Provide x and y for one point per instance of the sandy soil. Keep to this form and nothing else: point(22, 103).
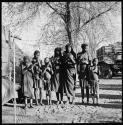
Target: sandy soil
point(109, 110)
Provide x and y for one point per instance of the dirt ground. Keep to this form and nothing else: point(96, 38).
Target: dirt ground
point(109, 108)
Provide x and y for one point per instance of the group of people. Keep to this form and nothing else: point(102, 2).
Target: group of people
point(59, 74)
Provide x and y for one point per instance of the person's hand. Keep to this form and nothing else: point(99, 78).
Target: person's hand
point(48, 68)
point(30, 67)
point(44, 81)
point(71, 56)
point(80, 57)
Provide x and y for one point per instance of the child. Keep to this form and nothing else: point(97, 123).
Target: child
point(47, 73)
point(94, 80)
point(27, 75)
point(38, 84)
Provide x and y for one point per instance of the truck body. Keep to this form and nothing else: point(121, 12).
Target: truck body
point(110, 59)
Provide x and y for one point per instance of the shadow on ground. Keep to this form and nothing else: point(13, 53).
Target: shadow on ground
point(115, 87)
point(114, 106)
point(103, 96)
point(111, 87)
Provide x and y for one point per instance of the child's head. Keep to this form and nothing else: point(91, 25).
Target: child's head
point(37, 54)
point(68, 48)
point(26, 60)
point(46, 60)
point(57, 52)
point(95, 61)
point(84, 47)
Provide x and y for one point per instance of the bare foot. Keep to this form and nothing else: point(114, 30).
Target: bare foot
point(58, 103)
point(87, 101)
point(31, 106)
point(37, 104)
point(41, 103)
point(67, 102)
point(50, 102)
point(62, 102)
point(25, 107)
point(82, 101)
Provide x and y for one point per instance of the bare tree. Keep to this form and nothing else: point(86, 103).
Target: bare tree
point(71, 22)
point(16, 15)
point(77, 16)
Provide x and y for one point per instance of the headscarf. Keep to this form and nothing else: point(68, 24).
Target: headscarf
point(36, 52)
point(84, 45)
point(57, 49)
point(26, 58)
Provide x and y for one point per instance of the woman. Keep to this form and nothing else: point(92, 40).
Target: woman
point(27, 75)
point(57, 76)
point(38, 84)
point(69, 69)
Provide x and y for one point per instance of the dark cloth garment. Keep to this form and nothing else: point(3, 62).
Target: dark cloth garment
point(47, 74)
point(27, 86)
point(57, 81)
point(37, 77)
point(69, 64)
point(63, 75)
point(69, 82)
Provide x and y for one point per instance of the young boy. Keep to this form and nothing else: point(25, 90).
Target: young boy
point(38, 84)
point(94, 80)
point(47, 74)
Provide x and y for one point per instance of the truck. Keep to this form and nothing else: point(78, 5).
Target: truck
point(110, 60)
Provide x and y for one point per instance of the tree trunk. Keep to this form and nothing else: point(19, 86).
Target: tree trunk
point(68, 22)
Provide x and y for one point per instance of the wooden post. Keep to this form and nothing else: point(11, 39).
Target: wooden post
point(10, 68)
point(14, 84)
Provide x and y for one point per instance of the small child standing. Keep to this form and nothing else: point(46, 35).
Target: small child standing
point(27, 76)
point(37, 79)
point(94, 80)
point(47, 74)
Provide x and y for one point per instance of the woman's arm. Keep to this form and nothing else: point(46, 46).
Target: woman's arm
point(24, 69)
point(72, 59)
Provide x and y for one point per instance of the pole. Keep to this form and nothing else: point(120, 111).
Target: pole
point(9, 59)
point(14, 37)
point(14, 85)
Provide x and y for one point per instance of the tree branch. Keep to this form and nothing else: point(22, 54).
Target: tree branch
point(61, 14)
point(94, 17)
